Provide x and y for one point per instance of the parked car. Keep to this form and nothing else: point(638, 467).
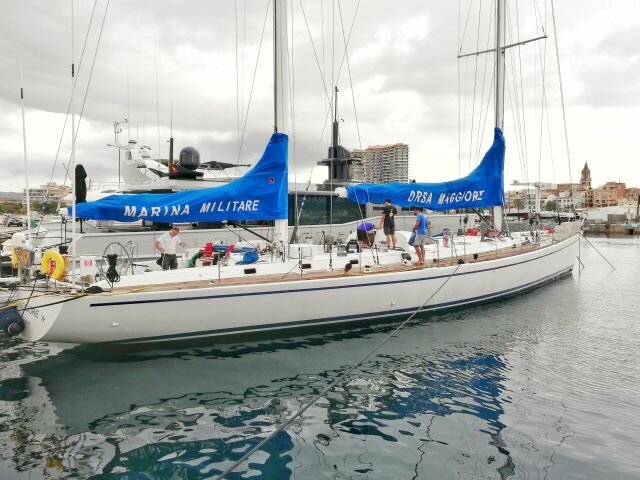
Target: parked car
point(13, 222)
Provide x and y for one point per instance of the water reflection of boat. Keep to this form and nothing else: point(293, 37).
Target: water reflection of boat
point(205, 406)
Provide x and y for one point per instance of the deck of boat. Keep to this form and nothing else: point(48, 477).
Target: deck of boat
point(356, 270)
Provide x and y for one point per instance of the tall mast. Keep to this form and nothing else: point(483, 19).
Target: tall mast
point(499, 113)
point(73, 161)
point(280, 92)
point(281, 68)
point(275, 66)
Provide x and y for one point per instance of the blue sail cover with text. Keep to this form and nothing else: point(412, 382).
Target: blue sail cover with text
point(260, 194)
point(483, 187)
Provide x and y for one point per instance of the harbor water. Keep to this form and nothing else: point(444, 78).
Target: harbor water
point(541, 386)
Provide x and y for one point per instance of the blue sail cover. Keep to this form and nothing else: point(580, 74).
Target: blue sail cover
point(483, 187)
point(260, 194)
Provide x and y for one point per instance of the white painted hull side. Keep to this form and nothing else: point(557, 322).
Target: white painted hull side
point(234, 309)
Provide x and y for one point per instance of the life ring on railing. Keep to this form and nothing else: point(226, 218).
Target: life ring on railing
point(53, 265)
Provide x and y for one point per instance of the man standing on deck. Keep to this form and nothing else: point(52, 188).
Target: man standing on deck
point(420, 228)
point(167, 244)
point(388, 223)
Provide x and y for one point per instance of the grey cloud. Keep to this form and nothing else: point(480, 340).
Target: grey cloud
point(609, 76)
point(195, 44)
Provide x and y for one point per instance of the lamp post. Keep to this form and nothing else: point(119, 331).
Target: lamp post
point(119, 149)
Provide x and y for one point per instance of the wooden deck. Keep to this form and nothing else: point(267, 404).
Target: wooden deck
point(356, 270)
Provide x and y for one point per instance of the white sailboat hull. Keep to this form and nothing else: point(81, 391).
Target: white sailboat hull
point(163, 315)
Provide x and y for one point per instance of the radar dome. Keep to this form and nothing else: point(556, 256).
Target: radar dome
point(189, 158)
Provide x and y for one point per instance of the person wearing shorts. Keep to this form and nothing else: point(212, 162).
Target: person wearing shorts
point(366, 232)
point(388, 222)
point(421, 233)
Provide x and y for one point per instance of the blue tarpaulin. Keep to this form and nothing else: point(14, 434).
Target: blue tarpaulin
point(260, 194)
point(483, 187)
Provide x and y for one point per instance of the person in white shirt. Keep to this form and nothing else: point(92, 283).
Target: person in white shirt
point(167, 244)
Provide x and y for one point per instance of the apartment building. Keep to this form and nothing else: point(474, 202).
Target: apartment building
point(385, 163)
point(50, 192)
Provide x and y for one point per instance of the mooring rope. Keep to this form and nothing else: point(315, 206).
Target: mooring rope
point(340, 379)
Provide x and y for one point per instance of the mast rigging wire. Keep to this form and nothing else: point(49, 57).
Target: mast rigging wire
point(93, 63)
point(564, 115)
point(475, 83)
point(264, 24)
point(516, 114)
point(545, 106)
point(462, 118)
point(346, 55)
point(328, 110)
point(543, 71)
point(524, 116)
point(315, 54)
point(64, 125)
point(480, 135)
point(24, 145)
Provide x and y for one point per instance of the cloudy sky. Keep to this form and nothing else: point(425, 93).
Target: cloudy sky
point(405, 80)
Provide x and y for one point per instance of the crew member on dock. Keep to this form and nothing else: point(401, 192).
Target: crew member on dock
point(167, 244)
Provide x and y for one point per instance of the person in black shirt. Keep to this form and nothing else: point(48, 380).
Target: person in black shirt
point(388, 222)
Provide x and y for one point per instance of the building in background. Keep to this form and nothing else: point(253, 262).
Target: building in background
point(585, 177)
point(608, 195)
point(49, 193)
point(520, 200)
point(565, 197)
point(632, 195)
point(385, 163)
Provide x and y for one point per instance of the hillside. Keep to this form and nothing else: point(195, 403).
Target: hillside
point(11, 196)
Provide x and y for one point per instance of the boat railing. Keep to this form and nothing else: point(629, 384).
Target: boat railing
point(105, 185)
